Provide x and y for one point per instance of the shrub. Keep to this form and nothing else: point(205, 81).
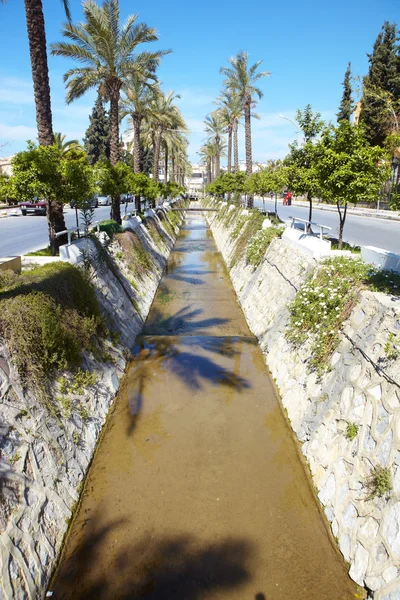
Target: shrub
point(379, 482)
point(252, 224)
point(392, 347)
point(110, 227)
point(326, 300)
point(259, 244)
point(48, 316)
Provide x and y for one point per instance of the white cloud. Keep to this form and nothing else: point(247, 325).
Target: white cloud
point(16, 91)
point(17, 132)
point(194, 98)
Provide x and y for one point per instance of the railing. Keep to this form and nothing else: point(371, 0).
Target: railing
point(307, 225)
point(72, 230)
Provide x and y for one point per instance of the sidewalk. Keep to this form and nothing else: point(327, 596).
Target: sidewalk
point(361, 212)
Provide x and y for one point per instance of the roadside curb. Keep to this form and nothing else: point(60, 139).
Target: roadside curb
point(352, 211)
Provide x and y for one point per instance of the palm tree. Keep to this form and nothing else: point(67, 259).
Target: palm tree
point(139, 95)
point(215, 129)
point(206, 154)
point(63, 146)
point(164, 115)
point(242, 79)
point(107, 50)
point(231, 111)
point(41, 89)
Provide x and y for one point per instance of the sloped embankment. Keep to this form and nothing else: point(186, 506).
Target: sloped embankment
point(65, 337)
point(346, 413)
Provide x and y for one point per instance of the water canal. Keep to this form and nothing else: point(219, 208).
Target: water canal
point(198, 490)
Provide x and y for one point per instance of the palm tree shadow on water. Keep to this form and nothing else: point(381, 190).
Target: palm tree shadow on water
point(179, 567)
point(188, 358)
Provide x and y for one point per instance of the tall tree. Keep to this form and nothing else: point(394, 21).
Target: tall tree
point(243, 79)
point(348, 168)
point(381, 90)
point(301, 160)
point(41, 88)
point(97, 137)
point(231, 112)
point(106, 48)
point(164, 114)
point(346, 106)
point(214, 128)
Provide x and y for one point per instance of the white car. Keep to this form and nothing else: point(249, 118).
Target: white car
point(104, 200)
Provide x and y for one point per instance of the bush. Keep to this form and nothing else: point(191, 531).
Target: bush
point(48, 316)
point(259, 244)
point(110, 227)
point(379, 482)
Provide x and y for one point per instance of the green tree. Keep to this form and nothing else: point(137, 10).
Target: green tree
point(41, 88)
point(97, 137)
point(301, 160)
point(381, 86)
point(78, 175)
point(348, 168)
point(346, 106)
point(243, 79)
point(106, 50)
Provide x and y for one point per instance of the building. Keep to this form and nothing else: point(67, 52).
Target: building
point(5, 165)
point(356, 113)
point(196, 181)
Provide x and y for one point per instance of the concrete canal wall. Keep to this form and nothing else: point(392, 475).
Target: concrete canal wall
point(44, 456)
point(360, 387)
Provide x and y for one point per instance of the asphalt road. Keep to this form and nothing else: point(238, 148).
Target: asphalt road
point(359, 231)
point(19, 235)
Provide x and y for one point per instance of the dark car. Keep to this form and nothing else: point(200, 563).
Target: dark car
point(36, 207)
point(91, 203)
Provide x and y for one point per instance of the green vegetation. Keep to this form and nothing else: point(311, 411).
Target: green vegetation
point(351, 431)
point(252, 225)
point(326, 300)
point(48, 317)
point(392, 347)
point(110, 227)
point(135, 255)
point(15, 458)
point(379, 482)
point(42, 252)
point(259, 243)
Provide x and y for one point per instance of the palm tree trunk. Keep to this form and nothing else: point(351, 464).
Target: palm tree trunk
point(113, 89)
point(172, 168)
point(217, 157)
point(235, 148)
point(249, 161)
point(41, 89)
point(229, 149)
point(166, 164)
point(157, 152)
point(40, 71)
point(137, 122)
point(209, 170)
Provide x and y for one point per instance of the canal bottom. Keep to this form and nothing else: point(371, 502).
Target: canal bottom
point(198, 490)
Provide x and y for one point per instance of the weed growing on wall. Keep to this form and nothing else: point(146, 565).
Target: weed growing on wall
point(252, 225)
point(259, 243)
point(351, 431)
point(238, 226)
point(379, 482)
point(392, 347)
point(326, 300)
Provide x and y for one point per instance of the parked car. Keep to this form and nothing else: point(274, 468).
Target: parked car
point(36, 207)
point(104, 200)
point(91, 203)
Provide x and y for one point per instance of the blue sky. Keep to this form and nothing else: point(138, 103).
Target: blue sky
point(306, 46)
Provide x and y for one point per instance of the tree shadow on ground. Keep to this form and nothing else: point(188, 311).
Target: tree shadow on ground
point(155, 568)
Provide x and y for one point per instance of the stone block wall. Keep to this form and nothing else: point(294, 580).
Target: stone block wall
point(361, 387)
point(43, 458)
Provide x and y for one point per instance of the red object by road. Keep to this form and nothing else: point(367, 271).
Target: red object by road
point(36, 208)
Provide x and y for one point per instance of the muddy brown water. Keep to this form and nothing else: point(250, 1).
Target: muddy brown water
point(198, 489)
